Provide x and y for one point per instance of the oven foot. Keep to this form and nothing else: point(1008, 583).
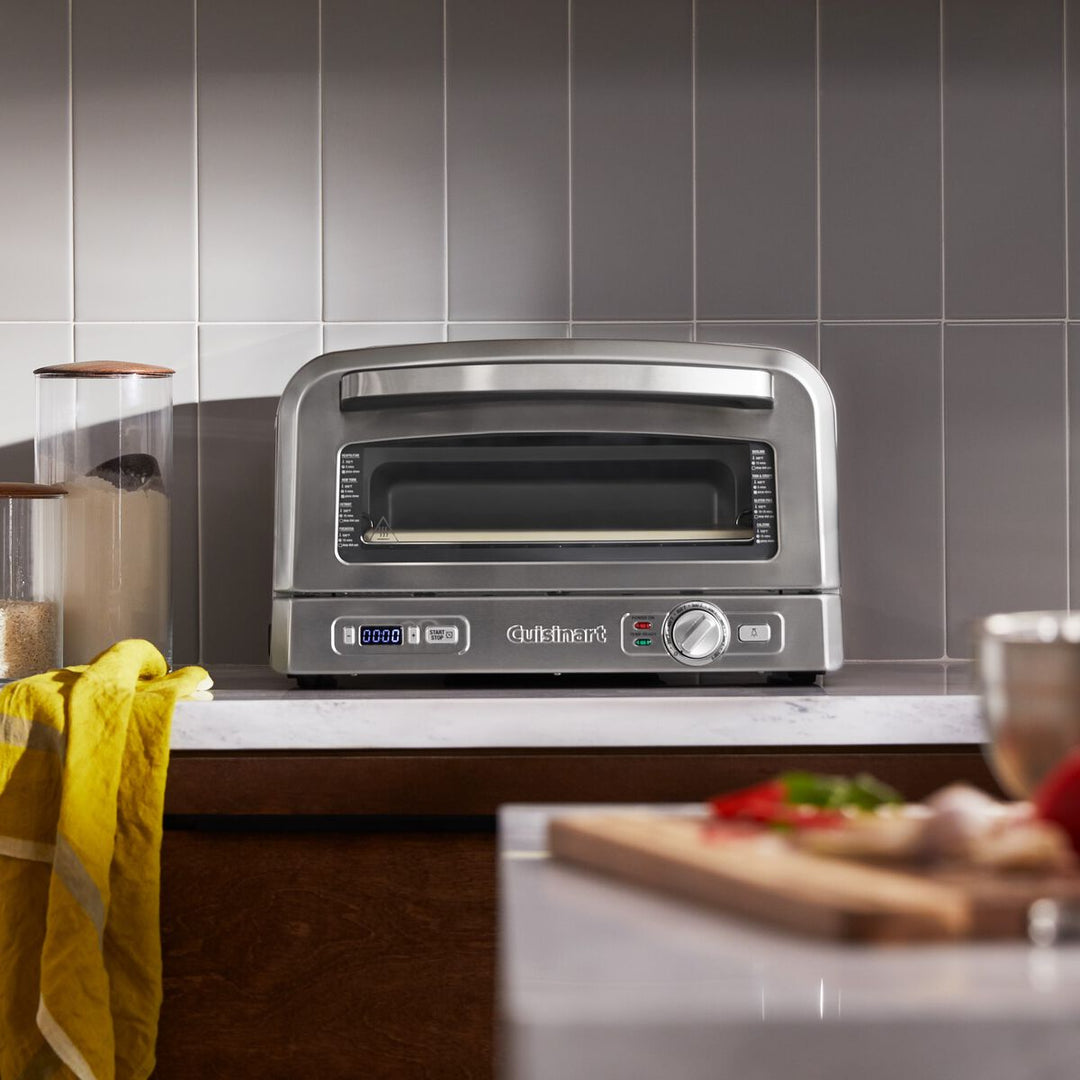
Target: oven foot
point(315, 682)
point(793, 678)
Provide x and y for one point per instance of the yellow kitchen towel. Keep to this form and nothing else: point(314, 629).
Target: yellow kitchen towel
point(83, 757)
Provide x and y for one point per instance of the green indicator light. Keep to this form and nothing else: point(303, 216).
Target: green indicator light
point(644, 642)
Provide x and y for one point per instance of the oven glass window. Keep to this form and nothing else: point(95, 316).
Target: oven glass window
point(555, 491)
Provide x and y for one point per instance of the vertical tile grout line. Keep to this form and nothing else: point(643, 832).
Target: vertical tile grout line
point(320, 185)
point(195, 157)
point(693, 173)
point(941, 338)
point(570, 167)
point(1065, 334)
point(446, 167)
point(199, 561)
point(817, 167)
point(71, 168)
point(1065, 144)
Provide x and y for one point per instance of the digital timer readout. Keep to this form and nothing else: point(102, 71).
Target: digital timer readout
point(380, 635)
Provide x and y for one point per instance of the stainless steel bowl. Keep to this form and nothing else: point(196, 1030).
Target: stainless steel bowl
point(1029, 679)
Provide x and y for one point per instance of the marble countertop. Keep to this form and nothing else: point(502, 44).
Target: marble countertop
point(603, 979)
point(863, 705)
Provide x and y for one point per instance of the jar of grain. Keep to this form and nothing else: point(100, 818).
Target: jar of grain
point(104, 432)
point(31, 579)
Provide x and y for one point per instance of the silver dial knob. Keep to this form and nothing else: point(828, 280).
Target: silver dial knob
point(696, 632)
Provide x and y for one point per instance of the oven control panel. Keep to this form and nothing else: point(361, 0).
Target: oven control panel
point(697, 633)
point(416, 636)
point(557, 634)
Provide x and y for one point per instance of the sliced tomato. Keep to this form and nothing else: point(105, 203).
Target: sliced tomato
point(767, 803)
point(750, 802)
point(1058, 797)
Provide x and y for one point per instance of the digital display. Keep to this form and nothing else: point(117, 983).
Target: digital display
point(380, 635)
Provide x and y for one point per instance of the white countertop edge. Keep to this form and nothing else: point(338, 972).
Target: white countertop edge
point(239, 722)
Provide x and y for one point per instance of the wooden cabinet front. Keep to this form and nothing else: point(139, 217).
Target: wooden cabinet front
point(330, 954)
point(333, 915)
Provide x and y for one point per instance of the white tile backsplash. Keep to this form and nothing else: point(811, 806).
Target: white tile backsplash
point(489, 331)
point(35, 161)
point(250, 360)
point(800, 337)
point(24, 347)
point(1006, 473)
point(383, 88)
point(632, 159)
point(170, 344)
point(133, 108)
point(507, 159)
point(259, 137)
point(658, 331)
point(338, 336)
point(755, 147)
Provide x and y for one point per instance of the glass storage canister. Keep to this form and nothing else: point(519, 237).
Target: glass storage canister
point(31, 579)
point(104, 431)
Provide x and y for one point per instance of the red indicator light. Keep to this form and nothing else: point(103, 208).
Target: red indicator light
point(643, 625)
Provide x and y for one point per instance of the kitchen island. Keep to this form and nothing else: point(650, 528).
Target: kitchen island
point(329, 862)
point(600, 978)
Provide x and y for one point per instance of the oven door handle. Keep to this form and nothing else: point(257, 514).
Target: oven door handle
point(740, 388)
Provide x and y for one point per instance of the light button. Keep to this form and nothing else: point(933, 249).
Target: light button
point(751, 633)
point(441, 635)
point(412, 635)
point(348, 635)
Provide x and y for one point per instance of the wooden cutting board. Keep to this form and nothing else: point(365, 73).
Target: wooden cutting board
point(833, 898)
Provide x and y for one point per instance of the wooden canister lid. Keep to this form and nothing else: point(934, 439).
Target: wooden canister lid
point(31, 491)
point(103, 369)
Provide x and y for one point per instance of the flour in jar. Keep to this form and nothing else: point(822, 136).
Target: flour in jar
point(117, 558)
point(28, 638)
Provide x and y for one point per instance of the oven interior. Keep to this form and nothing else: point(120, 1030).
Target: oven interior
point(515, 493)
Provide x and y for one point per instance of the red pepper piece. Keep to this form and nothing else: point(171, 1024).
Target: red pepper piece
point(1058, 797)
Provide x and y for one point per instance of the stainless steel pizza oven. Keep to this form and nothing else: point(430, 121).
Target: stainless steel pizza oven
point(556, 506)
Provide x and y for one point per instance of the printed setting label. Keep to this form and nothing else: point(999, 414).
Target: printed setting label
point(763, 494)
point(351, 521)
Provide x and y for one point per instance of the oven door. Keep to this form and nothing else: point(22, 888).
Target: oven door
point(561, 497)
point(549, 476)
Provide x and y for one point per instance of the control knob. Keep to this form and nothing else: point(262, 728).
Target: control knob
point(696, 632)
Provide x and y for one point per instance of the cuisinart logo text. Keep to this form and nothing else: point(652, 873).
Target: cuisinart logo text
point(556, 635)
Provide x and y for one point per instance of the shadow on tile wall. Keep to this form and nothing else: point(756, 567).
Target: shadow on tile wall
point(237, 520)
point(17, 461)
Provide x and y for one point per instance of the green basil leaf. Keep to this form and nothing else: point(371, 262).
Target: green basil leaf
point(865, 792)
